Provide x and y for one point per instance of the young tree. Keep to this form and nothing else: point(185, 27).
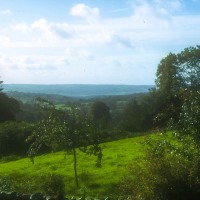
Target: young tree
point(65, 131)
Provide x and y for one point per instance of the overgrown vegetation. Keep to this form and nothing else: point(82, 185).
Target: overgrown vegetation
point(167, 168)
point(172, 170)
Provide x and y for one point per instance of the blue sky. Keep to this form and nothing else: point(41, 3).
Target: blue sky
point(93, 41)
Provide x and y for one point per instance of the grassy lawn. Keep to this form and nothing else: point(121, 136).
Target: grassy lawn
point(97, 181)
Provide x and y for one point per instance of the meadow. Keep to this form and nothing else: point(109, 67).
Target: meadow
point(97, 182)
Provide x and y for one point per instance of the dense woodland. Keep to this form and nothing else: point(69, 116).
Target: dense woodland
point(32, 125)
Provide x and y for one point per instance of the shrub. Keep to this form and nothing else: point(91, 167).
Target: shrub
point(16, 182)
point(171, 172)
point(52, 184)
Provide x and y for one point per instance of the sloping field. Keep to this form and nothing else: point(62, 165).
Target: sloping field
point(97, 181)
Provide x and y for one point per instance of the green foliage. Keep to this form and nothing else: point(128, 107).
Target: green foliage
point(172, 166)
point(177, 73)
point(189, 117)
point(52, 184)
point(100, 114)
point(167, 79)
point(189, 66)
point(8, 108)
point(16, 181)
point(12, 138)
point(132, 118)
point(140, 112)
point(67, 131)
point(171, 171)
point(1, 88)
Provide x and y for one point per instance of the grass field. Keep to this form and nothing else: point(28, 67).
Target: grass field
point(97, 181)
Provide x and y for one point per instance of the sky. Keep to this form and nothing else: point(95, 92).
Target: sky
point(92, 41)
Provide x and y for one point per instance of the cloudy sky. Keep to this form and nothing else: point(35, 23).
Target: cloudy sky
point(92, 41)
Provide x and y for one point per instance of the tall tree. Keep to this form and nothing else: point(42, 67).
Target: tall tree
point(132, 117)
point(8, 106)
point(1, 88)
point(168, 81)
point(189, 117)
point(100, 114)
point(189, 67)
point(179, 71)
point(178, 80)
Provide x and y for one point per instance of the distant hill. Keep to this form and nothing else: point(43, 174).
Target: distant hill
point(76, 90)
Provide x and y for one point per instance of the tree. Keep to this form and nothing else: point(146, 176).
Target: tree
point(1, 88)
point(179, 71)
point(189, 117)
point(173, 163)
point(176, 73)
point(132, 117)
point(8, 106)
point(100, 114)
point(167, 80)
point(140, 112)
point(65, 131)
point(12, 138)
point(189, 67)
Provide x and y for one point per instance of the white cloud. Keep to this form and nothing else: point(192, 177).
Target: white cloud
point(43, 25)
point(63, 30)
point(5, 41)
point(27, 61)
point(21, 27)
point(122, 46)
point(82, 10)
point(49, 29)
point(6, 12)
point(175, 5)
point(8, 63)
point(77, 54)
point(122, 41)
point(85, 54)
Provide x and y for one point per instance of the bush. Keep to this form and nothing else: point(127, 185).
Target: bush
point(171, 172)
point(16, 182)
point(52, 184)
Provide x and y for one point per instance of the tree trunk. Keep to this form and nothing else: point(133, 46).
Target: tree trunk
point(75, 170)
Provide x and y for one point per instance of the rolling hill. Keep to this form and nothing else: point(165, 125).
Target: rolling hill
point(73, 90)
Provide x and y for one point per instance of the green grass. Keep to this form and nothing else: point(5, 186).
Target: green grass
point(102, 181)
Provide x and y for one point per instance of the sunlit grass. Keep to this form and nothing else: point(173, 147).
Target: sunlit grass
point(98, 181)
